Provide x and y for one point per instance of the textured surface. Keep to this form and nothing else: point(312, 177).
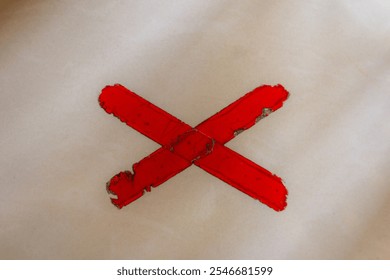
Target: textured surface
point(329, 143)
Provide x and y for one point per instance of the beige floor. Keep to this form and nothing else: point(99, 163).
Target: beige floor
point(330, 143)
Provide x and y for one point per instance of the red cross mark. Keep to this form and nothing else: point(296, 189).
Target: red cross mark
point(203, 145)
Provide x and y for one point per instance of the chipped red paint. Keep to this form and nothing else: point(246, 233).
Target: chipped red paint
point(203, 145)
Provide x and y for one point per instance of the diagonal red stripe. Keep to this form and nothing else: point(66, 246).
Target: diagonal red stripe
point(245, 176)
point(151, 171)
point(243, 113)
point(141, 115)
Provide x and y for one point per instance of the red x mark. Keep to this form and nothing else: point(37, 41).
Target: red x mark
point(183, 145)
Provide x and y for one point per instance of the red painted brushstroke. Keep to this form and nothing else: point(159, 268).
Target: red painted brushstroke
point(149, 172)
point(245, 176)
point(183, 145)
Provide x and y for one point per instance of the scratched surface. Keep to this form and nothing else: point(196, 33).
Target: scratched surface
point(329, 142)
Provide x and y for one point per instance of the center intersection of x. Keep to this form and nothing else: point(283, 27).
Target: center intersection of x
point(203, 145)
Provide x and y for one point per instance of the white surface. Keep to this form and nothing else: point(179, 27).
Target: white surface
point(329, 143)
